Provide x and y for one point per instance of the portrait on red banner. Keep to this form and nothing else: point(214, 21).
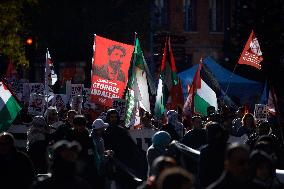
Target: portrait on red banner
point(110, 70)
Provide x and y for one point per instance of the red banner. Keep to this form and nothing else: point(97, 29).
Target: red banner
point(251, 54)
point(110, 70)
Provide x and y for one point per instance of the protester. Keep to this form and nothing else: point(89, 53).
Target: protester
point(126, 152)
point(211, 161)
point(146, 121)
point(16, 169)
point(37, 143)
point(196, 137)
point(98, 128)
point(236, 169)
point(63, 170)
point(52, 119)
point(160, 143)
point(237, 122)
point(263, 128)
point(160, 164)
point(63, 130)
point(176, 177)
point(248, 125)
point(86, 161)
point(263, 172)
point(173, 125)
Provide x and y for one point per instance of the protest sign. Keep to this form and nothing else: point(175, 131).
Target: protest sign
point(110, 70)
point(36, 104)
point(76, 89)
point(260, 112)
point(59, 101)
point(142, 137)
point(76, 103)
point(120, 106)
point(37, 88)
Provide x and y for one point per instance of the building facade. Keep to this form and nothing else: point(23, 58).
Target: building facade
point(198, 28)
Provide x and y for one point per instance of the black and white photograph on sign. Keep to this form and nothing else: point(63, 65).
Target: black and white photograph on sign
point(36, 104)
point(59, 101)
point(260, 112)
point(76, 103)
point(36, 88)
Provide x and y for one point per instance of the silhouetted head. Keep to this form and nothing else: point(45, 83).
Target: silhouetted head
point(7, 143)
point(236, 161)
point(112, 117)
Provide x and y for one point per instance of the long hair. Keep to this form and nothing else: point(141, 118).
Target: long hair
point(247, 116)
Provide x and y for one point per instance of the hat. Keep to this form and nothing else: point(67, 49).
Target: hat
point(161, 138)
point(99, 123)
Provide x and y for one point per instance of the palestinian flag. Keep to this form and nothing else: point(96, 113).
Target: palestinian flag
point(9, 107)
point(168, 79)
point(204, 98)
point(200, 96)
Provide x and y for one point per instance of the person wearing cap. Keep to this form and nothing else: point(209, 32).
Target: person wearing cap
point(160, 143)
point(98, 128)
point(37, 142)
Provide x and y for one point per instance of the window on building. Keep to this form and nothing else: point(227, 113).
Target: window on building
point(161, 13)
point(190, 15)
point(216, 15)
point(188, 60)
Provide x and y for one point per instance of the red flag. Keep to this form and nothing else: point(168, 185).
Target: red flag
point(11, 72)
point(196, 84)
point(251, 54)
point(176, 96)
point(110, 70)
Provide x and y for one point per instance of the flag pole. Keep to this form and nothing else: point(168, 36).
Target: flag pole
point(277, 112)
point(129, 117)
point(46, 80)
point(230, 79)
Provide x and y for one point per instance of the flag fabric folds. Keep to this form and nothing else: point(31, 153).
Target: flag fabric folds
point(269, 98)
point(137, 95)
point(50, 73)
point(168, 79)
point(189, 104)
point(176, 97)
point(204, 98)
point(200, 96)
point(9, 107)
point(11, 72)
point(251, 54)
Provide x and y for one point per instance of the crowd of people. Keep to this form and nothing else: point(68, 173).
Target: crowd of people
point(73, 150)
